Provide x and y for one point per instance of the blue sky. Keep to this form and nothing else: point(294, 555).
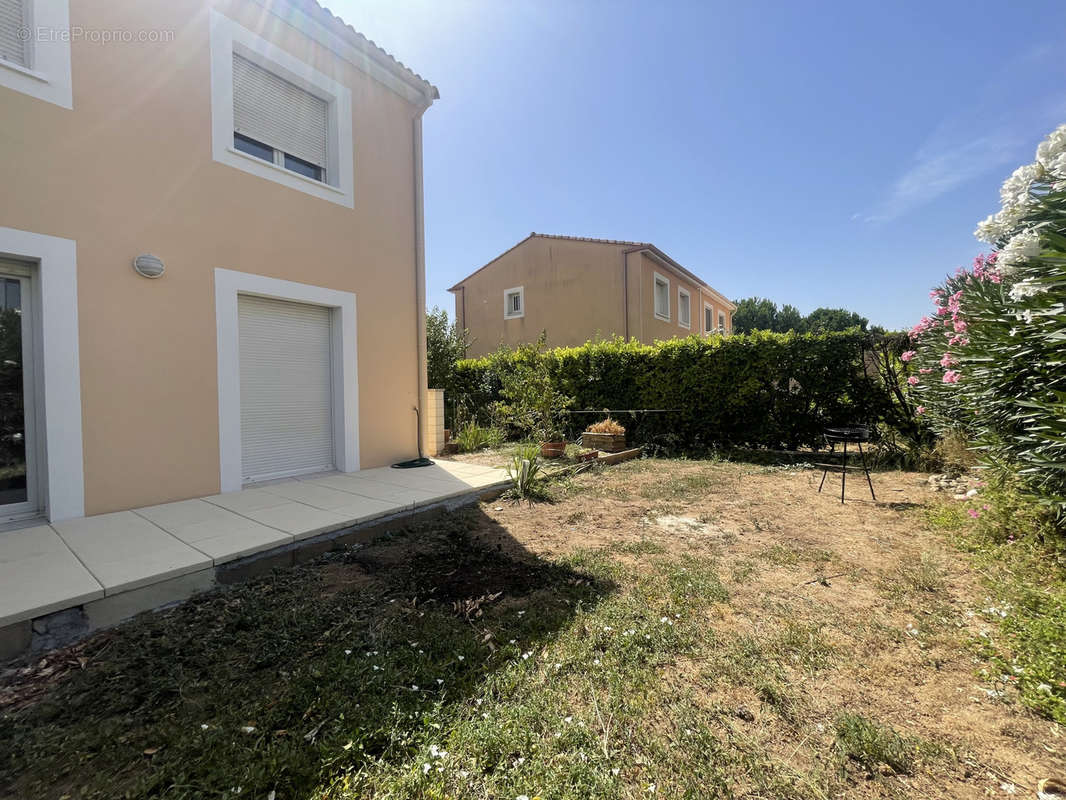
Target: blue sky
point(816, 153)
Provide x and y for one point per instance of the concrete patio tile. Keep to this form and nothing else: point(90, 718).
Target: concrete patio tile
point(377, 490)
point(298, 519)
point(314, 494)
point(40, 575)
point(461, 469)
point(363, 509)
point(222, 534)
point(245, 500)
point(124, 551)
point(428, 478)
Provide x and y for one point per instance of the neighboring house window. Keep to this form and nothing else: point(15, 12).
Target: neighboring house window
point(514, 303)
point(277, 121)
point(708, 319)
point(14, 23)
point(276, 117)
point(721, 323)
point(662, 297)
point(684, 308)
point(35, 49)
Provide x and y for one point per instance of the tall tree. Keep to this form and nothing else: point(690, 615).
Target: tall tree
point(834, 319)
point(788, 319)
point(754, 314)
point(445, 344)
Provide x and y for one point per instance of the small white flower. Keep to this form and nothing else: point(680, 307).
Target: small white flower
point(440, 681)
point(525, 656)
point(248, 729)
point(203, 726)
point(596, 662)
point(426, 768)
point(520, 613)
point(347, 652)
point(1023, 289)
point(568, 720)
point(1044, 688)
point(1022, 247)
point(615, 770)
point(651, 788)
point(462, 658)
point(414, 687)
point(1015, 190)
point(1049, 151)
point(522, 797)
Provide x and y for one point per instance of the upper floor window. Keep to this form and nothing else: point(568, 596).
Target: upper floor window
point(514, 303)
point(35, 49)
point(277, 121)
point(275, 116)
point(14, 25)
point(708, 319)
point(662, 297)
point(721, 323)
point(684, 308)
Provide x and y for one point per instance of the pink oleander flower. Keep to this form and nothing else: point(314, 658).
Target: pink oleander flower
point(912, 380)
point(925, 370)
point(951, 376)
point(920, 409)
point(959, 325)
point(941, 310)
point(947, 360)
point(973, 512)
point(986, 507)
point(934, 295)
point(907, 356)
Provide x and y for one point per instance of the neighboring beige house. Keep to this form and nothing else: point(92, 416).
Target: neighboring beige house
point(576, 289)
point(270, 159)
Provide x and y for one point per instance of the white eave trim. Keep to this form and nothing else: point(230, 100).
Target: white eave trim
point(412, 90)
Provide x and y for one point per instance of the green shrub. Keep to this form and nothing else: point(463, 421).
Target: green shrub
point(988, 363)
point(475, 437)
point(872, 744)
point(755, 390)
point(527, 481)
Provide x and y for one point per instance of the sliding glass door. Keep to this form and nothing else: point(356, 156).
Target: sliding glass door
point(18, 485)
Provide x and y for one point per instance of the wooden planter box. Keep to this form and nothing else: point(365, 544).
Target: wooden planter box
point(608, 442)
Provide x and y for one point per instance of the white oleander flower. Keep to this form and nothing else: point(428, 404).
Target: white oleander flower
point(1020, 248)
point(1052, 147)
point(1015, 190)
point(1000, 225)
point(1024, 289)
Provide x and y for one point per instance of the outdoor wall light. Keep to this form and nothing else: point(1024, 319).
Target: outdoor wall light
point(148, 266)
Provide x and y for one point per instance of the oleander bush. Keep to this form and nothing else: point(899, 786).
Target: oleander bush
point(989, 364)
point(754, 390)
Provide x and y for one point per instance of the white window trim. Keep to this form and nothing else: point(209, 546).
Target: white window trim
point(228, 37)
point(507, 313)
point(58, 373)
point(688, 301)
point(708, 307)
point(654, 296)
point(228, 284)
point(48, 75)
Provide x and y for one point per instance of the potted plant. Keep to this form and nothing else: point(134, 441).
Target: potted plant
point(532, 403)
point(607, 435)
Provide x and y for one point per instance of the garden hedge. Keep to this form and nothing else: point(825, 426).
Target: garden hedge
point(755, 390)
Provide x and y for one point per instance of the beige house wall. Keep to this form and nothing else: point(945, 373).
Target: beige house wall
point(129, 170)
point(575, 290)
point(572, 290)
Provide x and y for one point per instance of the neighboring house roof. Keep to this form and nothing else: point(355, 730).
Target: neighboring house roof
point(655, 251)
point(339, 27)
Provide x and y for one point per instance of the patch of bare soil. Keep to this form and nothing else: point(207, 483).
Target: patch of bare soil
point(888, 601)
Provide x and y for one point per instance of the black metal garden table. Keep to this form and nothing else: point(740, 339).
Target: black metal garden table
point(845, 436)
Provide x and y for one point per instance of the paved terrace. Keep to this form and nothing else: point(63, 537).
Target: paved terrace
point(100, 570)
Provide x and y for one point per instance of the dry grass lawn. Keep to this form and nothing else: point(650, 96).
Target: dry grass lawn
point(664, 628)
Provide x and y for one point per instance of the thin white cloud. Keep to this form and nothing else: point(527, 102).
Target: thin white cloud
point(952, 155)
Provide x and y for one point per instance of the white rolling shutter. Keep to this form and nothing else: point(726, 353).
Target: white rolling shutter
point(286, 388)
point(12, 31)
point(274, 111)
